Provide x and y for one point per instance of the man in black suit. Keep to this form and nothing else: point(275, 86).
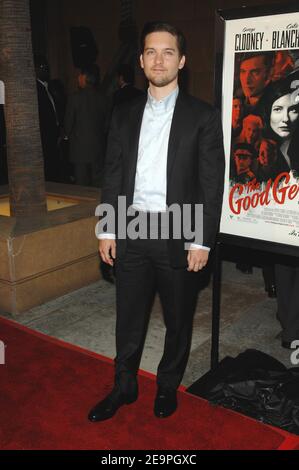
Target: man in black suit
point(48, 118)
point(163, 149)
point(125, 79)
point(84, 125)
point(287, 281)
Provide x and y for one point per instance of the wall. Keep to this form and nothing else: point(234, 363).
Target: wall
point(195, 18)
point(102, 17)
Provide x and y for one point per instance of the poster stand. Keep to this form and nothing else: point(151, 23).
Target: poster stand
point(273, 246)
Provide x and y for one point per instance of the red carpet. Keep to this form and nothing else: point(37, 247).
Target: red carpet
point(48, 386)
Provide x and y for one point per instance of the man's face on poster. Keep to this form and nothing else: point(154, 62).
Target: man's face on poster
point(252, 132)
point(243, 160)
point(254, 76)
point(236, 113)
point(267, 153)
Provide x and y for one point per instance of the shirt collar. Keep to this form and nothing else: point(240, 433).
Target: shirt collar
point(166, 104)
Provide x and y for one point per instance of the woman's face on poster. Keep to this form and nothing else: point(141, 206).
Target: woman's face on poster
point(284, 116)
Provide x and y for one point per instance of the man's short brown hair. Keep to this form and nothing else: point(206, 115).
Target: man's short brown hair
point(160, 26)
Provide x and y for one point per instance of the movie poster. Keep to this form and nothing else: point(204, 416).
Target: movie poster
point(260, 111)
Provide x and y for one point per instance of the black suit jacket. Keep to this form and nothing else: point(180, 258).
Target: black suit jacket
point(84, 124)
point(195, 164)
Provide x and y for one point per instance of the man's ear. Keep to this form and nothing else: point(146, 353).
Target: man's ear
point(182, 62)
point(141, 61)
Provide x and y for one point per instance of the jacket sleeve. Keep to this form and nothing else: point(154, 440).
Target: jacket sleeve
point(211, 165)
point(113, 165)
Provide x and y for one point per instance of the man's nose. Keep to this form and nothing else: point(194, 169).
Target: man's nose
point(159, 58)
point(248, 78)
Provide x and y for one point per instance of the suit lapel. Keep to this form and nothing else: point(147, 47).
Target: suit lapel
point(176, 131)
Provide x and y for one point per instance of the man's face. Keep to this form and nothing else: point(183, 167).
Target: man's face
point(243, 159)
point(160, 59)
point(237, 113)
point(254, 76)
point(267, 153)
point(252, 132)
point(43, 72)
point(82, 80)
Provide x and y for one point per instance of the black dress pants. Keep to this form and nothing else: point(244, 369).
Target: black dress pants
point(144, 270)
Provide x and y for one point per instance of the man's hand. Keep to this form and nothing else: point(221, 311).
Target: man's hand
point(197, 259)
point(107, 250)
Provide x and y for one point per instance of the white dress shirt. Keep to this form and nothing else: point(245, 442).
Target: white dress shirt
point(151, 171)
point(150, 180)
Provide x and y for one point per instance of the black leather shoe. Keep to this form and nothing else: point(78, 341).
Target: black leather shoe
point(107, 408)
point(165, 402)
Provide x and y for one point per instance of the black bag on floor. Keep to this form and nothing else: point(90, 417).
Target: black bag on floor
point(256, 385)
